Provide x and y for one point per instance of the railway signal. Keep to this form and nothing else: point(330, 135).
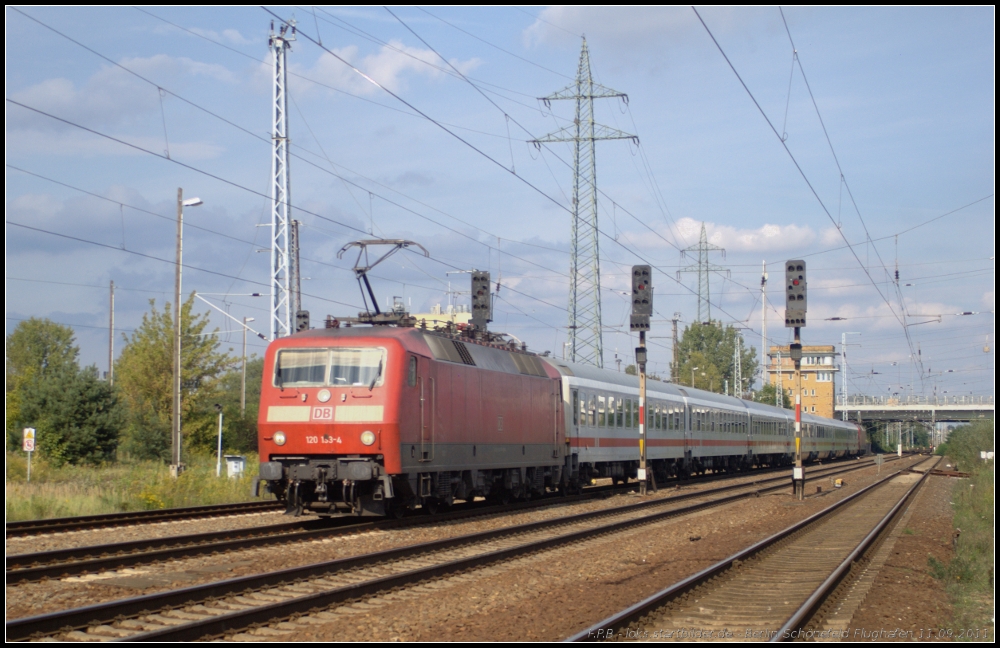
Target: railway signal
point(482, 301)
point(795, 318)
point(642, 298)
point(301, 321)
point(795, 293)
point(642, 308)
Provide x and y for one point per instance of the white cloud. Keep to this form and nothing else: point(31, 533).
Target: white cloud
point(831, 236)
point(390, 66)
point(614, 25)
point(226, 35)
point(765, 238)
point(112, 96)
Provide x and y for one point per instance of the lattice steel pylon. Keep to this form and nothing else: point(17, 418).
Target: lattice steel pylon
point(703, 268)
point(281, 306)
point(585, 334)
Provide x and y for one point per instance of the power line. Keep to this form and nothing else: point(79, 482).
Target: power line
point(64, 283)
point(784, 144)
point(435, 122)
point(423, 114)
point(483, 40)
point(155, 258)
point(397, 204)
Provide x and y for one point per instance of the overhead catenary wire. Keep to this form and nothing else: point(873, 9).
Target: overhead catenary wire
point(630, 243)
point(444, 128)
point(350, 182)
point(784, 144)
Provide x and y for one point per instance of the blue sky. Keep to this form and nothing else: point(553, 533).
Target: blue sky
point(906, 97)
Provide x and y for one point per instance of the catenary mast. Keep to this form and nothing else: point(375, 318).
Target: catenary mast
point(281, 306)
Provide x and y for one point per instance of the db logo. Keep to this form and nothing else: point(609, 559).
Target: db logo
point(322, 414)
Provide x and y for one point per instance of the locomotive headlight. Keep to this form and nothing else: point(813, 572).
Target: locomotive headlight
point(279, 438)
point(323, 395)
point(367, 437)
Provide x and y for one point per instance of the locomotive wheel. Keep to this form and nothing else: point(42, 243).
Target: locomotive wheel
point(433, 506)
point(395, 509)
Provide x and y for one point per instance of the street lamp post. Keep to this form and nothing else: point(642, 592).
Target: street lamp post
point(693, 369)
point(176, 467)
point(218, 461)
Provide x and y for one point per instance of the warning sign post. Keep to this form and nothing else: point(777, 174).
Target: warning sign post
point(28, 445)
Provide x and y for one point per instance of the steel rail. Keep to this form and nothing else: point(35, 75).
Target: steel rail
point(55, 525)
point(79, 560)
point(50, 525)
point(27, 628)
point(607, 628)
point(792, 627)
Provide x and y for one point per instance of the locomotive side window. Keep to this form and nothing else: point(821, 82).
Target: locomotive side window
point(411, 374)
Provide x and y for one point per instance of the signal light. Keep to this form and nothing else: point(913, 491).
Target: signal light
point(642, 297)
point(301, 321)
point(795, 293)
point(482, 301)
point(642, 290)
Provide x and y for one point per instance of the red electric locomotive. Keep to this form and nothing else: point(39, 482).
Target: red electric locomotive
point(374, 420)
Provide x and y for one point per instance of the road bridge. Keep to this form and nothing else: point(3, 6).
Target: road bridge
point(917, 408)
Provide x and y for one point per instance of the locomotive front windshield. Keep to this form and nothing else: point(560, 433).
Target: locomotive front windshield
point(338, 367)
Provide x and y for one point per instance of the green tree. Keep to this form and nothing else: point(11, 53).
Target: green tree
point(76, 415)
point(144, 376)
point(240, 430)
point(705, 374)
point(711, 347)
point(633, 371)
point(768, 394)
point(37, 348)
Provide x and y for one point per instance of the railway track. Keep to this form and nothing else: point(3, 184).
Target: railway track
point(58, 525)
point(770, 591)
point(225, 607)
point(91, 559)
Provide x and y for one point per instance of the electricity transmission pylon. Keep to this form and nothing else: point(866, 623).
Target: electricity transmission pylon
point(281, 305)
point(703, 268)
point(585, 335)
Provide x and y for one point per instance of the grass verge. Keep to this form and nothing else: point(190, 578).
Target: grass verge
point(969, 577)
point(68, 491)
